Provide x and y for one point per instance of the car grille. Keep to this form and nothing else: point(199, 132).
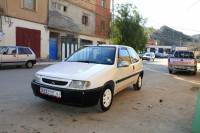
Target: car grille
point(54, 82)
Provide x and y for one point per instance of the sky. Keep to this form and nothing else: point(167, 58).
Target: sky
point(181, 15)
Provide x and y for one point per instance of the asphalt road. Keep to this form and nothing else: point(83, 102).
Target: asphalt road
point(166, 103)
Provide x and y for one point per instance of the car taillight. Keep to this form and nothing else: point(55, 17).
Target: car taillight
point(195, 61)
point(168, 61)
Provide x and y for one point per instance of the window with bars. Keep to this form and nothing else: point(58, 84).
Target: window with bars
point(85, 20)
point(30, 4)
point(103, 25)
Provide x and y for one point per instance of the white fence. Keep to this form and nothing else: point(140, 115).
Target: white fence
point(69, 49)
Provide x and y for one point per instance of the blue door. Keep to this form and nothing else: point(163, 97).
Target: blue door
point(53, 49)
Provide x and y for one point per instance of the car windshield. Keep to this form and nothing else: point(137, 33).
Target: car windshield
point(2, 48)
point(94, 54)
point(184, 54)
point(147, 55)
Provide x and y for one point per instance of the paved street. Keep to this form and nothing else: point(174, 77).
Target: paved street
point(166, 103)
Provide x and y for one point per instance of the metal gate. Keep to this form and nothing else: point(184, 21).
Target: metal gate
point(29, 38)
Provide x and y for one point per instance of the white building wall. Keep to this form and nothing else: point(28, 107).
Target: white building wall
point(9, 33)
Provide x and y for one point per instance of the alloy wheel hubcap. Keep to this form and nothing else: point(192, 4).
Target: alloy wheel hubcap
point(107, 97)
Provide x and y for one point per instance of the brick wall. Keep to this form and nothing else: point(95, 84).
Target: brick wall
point(102, 14)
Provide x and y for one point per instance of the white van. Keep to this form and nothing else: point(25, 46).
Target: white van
point(149, 56)
point(93, 74)
point(16, 55)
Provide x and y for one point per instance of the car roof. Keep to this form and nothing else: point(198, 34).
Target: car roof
point(104, 45)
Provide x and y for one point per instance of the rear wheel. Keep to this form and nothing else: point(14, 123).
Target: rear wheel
point(138, 85)
point(105, 100)
point(194, 73)
point(29, 64)
point(170, 71)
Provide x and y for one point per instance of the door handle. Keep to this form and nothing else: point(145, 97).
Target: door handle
point(14, 55)
point(27, 55)
point(133, 68)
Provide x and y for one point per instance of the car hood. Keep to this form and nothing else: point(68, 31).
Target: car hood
point(72, 70)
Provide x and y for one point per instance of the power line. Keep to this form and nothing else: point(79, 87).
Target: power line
point(175, 26)
point(192, 5)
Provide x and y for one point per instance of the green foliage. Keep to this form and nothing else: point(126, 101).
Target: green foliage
point(129, 28)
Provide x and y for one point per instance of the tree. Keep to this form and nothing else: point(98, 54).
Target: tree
point(129, 28)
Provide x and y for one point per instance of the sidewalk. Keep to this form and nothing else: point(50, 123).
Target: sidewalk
point(46, 62)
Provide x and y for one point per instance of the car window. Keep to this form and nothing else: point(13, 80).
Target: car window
point(133, 55)
point(24, 51)
point(176, 54)
point(191, 55)
point(10, 51)
point(124, 56)
point(2, 48)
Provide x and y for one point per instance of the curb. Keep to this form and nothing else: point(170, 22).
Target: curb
point(196, 121)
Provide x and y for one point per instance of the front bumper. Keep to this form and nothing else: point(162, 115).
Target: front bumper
point(145, 58)
point(84, 98)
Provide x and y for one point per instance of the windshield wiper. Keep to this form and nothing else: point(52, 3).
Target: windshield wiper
point(88, 61)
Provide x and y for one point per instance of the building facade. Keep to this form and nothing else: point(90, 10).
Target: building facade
point(54, 29)
point(72, 24)
point(23, 23)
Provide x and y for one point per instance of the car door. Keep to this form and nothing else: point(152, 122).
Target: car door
point(23, 55)
point(124, 73)
point(136, 64)
point(9, 57)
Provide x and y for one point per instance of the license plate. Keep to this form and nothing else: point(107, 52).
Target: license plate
point(50, 92)
point(182, 67)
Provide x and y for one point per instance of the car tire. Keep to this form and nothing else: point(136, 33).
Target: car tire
point(194, 73)
point(170, 71)
point(105, 100)
point(29, 64)
point(138, 85)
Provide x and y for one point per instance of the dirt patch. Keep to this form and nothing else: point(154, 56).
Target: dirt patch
point(195, 89)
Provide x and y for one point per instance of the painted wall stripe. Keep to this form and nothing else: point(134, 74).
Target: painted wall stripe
point(196, 121)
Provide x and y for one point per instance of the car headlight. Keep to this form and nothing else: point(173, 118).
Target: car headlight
point(79, 84)
point(37, 78)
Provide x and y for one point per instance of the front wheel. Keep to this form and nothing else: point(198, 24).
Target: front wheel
point(138, 85)
point(105, 99)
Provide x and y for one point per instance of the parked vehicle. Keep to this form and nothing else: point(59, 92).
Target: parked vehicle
point(16, 55)
point(93, 74)
point(183, 61)
point(149, 56)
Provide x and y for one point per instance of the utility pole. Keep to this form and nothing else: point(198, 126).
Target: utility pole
point(180, 40)
point(112, 22)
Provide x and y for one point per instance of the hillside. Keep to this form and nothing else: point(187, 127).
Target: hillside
point(168, 36)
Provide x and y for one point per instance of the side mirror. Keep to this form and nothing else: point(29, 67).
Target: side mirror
point(124, 64)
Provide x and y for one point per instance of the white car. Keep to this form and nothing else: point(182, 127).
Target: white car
point(16, 55)
point(149, 56)
point(93, 74)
